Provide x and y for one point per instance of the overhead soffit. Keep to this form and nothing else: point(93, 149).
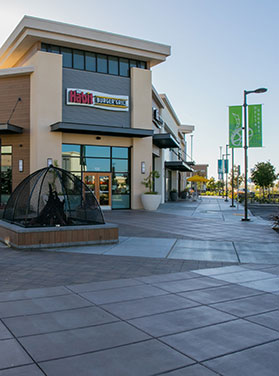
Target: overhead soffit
point(165, 141)
point(7, 128)
point(33, 30)
point(178, 166)
point(100, 130)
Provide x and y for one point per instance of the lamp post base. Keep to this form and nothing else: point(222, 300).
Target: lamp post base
point(232, 206)
point(245, 219)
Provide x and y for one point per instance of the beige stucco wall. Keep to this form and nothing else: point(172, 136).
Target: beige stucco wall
point(141, 98)
point(46, 109)
point(141, 117)
point(141, 152)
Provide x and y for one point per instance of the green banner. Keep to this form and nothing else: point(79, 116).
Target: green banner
point(255, 125)
point(235, 126)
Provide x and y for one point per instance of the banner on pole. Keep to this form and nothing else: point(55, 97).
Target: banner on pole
point(220, 166)
point(226, 166)
point(235, 126)
point(255, 125)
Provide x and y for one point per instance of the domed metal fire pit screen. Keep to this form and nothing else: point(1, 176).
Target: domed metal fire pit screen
point(52, 197)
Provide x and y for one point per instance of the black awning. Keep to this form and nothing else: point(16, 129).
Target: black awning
point(100, 130)
point(178, 166)
point(165, 141)
point(7, 128)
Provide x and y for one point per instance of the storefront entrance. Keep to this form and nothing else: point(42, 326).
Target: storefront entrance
point(100, 184)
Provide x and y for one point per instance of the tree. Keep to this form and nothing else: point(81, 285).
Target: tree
point(263, 175)
point(211, 184)
point(220, 186)
point(240, 179)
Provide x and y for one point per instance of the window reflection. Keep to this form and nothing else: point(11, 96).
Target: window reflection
point(120, 184)
point(120, 165)
point(85, 60)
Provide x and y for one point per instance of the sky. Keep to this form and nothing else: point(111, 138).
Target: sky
point(219, 48)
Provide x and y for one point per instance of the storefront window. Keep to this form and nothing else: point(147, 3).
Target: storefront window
point(120, 191)
point(113, 65)
point(133, 63)
point(97, 151)
point(118, 152)
point(55, 49)
point(112, 161)
point(90, 62)
point(85, 60)
point(124, 67)
point(6, 174)
point(78, 57)
point(102, 63)
point(67, 57)
point(97, 164)
point(120, 165)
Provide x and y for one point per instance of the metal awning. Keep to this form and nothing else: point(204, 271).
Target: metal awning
point(7, 128)
point(165, 141)
point(178, 166)
point(100, 130)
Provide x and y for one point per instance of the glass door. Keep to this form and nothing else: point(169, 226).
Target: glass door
point(100, 184)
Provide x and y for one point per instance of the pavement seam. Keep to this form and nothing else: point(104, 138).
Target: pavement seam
point(22, 347)
point(236, 252)
point(171, 249)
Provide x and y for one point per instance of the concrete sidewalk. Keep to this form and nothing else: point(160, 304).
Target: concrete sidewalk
point(205, 230)
point(218, 321)
point(163, 308)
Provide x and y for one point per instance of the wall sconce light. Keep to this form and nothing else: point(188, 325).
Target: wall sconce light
point(20, 165)
point(49, 162)
point(142, 167)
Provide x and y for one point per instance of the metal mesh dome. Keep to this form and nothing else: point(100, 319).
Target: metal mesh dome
point(52, 197)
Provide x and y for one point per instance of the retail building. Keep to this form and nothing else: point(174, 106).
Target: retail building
point(83, 99)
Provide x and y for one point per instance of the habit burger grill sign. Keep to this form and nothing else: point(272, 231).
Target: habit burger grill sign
point(83, 97)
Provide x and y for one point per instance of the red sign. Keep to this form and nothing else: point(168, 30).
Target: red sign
point(80, 97)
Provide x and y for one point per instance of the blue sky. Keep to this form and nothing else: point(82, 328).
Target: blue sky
point(219, 48)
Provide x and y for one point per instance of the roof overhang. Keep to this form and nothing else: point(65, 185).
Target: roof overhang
point(186, 128)
point(7, 128)
point(100, 130)
point(31, 30)
point(165, 141)
point(18, 71)
point(178, 166)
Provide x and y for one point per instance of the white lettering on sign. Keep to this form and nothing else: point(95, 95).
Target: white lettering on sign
point(83, 97)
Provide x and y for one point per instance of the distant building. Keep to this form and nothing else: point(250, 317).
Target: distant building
point(201, 169)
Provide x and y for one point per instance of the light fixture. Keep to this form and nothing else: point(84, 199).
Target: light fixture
point(20, 165)
point(49, 162)
point(142, 167)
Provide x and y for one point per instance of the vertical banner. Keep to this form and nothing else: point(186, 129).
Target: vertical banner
point(235, 126)
point(226, 166)
point(255, 125)
point(220, 166)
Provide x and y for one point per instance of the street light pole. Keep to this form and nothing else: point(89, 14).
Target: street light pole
point(232, 205)
point(246, 92)
point(226, 171)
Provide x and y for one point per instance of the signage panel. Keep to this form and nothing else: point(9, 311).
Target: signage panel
point(255, 125)
point(220, 166)
point(89, 98)
point(235, 126)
